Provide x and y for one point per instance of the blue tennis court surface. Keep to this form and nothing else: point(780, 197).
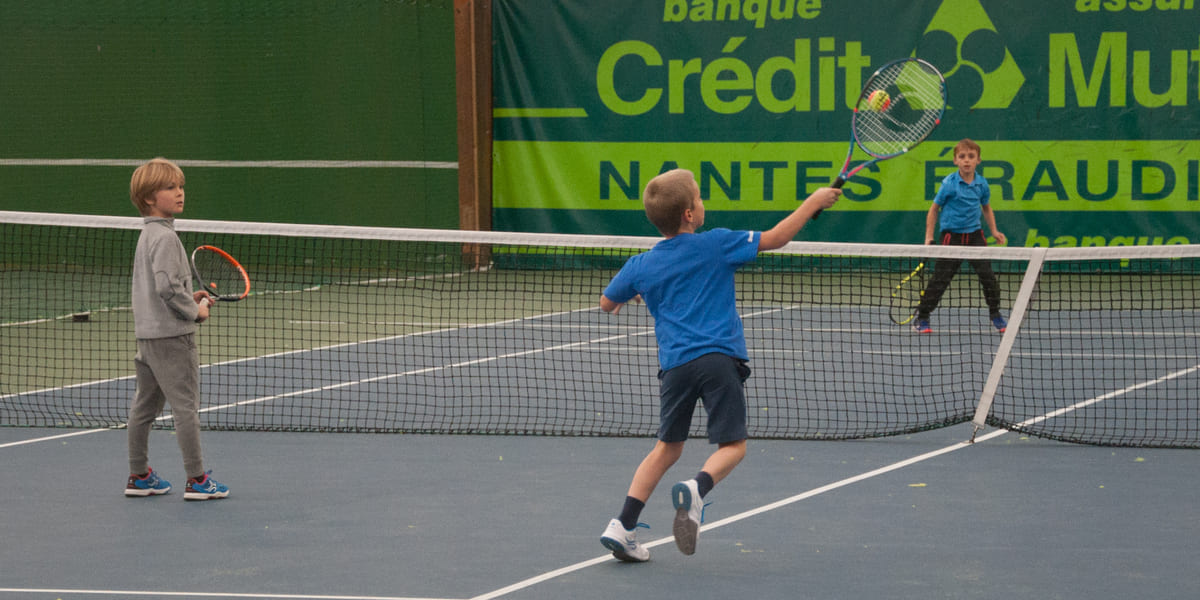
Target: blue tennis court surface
point(466, 517)
point(474, 517)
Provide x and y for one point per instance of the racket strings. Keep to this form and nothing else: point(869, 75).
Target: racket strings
point(220, 276)
point(917, 100)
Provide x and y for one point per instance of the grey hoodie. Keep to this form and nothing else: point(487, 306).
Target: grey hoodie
point(162, 283)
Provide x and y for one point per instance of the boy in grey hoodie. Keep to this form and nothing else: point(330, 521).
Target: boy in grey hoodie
point(165, 314)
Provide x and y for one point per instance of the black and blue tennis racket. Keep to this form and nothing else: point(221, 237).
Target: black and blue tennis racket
point(900, 105)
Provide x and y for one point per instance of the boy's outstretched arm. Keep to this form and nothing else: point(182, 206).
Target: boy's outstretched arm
point(611, 306)
point(785, 230)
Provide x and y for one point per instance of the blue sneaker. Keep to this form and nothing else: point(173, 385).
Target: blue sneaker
point(149, 484)
point(999, 323)
point(922, 326)
point(204, 488)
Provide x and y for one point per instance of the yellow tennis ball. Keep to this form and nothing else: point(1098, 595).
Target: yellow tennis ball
point(879, 100)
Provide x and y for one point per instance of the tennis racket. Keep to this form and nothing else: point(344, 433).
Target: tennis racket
point(219, 274)
point(900, 105)
point(906, 296)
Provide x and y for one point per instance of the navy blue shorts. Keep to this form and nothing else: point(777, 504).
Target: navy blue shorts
point(719, 381)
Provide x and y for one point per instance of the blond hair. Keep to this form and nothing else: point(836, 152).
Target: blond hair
point(151, 177)
point(667, 197)
point(969, 144)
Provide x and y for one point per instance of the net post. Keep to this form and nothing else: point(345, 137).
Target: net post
point(477, 257)
point(1032, 273)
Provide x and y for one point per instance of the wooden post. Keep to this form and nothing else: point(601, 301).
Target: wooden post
point(473, 66)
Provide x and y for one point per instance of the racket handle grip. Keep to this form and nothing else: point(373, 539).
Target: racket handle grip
point(837, 184)
point(205, 301)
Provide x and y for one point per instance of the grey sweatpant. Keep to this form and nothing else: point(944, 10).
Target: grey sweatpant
point(168, 371)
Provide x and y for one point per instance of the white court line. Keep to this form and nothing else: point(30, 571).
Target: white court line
point(421, 371)
point(344, 384)
point(240, 164)
point(520, 585)
point(532, 581)
point(205, 595)
point(52, 437)
point(526, 583)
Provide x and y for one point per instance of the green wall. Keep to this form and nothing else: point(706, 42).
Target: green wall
point(88, 90)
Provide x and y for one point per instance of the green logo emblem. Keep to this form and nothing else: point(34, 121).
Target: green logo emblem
point(963, 44)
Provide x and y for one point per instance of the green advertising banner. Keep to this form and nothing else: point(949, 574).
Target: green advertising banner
point(1087, 112)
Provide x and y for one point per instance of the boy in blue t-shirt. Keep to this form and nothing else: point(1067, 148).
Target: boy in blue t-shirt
point(687, 283)
point(960, 203)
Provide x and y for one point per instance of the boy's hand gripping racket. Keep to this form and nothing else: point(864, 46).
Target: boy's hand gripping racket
point(900, 105)
point(219, 274)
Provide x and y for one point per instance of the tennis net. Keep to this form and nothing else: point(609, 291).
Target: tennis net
point(431, 331)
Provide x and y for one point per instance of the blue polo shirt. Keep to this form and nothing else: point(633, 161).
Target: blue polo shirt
point(687, 283)
point(962, 203)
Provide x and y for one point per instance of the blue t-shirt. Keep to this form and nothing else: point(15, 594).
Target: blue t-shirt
point(962, 203)
point(687, 283)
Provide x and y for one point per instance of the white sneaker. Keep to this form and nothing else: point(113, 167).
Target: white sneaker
point(623, 542)
point(689, 513)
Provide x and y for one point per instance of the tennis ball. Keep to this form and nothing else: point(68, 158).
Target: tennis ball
point(879, 100)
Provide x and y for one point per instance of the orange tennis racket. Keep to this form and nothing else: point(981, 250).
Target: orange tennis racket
point(220, 274)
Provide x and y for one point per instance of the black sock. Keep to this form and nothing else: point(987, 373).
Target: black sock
point(631, 512)
point(705, 483)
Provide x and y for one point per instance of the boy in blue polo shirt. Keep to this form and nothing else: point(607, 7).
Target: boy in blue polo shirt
point(687, 283)
point(960, 203)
